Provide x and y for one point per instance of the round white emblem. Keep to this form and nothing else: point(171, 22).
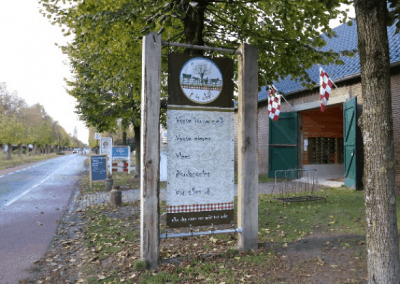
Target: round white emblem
point(201, 80)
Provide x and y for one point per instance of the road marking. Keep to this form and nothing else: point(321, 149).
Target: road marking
point(18, 197)
point(27, 191)
point(1, 176)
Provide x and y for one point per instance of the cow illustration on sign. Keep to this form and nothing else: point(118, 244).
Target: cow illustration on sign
point(201, 80)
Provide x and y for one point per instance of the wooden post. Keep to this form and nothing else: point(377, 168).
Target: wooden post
point(90, 171)
point(150, 146)
point(247, 148)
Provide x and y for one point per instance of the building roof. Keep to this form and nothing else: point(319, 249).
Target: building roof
point(346, 40)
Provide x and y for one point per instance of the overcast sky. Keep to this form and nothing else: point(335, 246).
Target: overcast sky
point(32, 65)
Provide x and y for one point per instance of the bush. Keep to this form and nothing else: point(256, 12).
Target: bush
point(61, 153)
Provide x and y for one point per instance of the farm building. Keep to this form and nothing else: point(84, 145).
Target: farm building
point(329, 141)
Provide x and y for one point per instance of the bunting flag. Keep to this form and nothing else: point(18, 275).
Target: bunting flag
point(274, 104)
point(326, 85)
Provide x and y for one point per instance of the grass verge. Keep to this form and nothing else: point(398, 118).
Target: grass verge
point(23, 159)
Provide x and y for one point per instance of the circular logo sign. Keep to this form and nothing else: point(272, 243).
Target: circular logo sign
point(201, 80)
point(105, 144)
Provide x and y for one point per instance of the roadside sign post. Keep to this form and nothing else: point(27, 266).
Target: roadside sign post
point(106, 148)
point(205, 126)
point(97, 167)
point(121, 159)
point(97, 136)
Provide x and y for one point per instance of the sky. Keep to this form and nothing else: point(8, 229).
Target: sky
point(33, 66)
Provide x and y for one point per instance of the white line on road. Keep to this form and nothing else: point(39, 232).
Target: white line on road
point(27, 191)
point(18, 197)
point(1, 176)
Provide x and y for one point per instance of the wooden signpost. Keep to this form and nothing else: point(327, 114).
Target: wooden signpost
point(200, 169)
point(98, 167)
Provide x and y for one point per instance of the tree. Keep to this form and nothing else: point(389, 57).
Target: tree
point(11, 120)
point(377, 130)
point(11, 132)
point(106, 51)
point(202, 69)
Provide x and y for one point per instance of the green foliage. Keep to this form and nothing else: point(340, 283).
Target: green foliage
point(106, 51)
point(11, 131)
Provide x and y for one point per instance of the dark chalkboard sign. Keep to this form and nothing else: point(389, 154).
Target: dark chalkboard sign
point(98, 167)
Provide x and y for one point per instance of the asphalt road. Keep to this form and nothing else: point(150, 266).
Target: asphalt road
point(32, 198)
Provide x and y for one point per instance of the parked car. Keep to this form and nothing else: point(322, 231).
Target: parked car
point(76, 150)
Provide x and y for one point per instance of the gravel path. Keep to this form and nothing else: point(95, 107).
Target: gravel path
point(133, 195)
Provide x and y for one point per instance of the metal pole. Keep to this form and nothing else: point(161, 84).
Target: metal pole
point(193, 234)
point(201, 47)
point(284, 99)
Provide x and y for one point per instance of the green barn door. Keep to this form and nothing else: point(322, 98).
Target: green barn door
point(349, 139)
point(282, 143)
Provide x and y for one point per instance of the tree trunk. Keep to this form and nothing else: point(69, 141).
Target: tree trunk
point(377, 131)
point(124, 137)
point(137, 150)
point(193, 27)
point(9, 152)
point(27, 150)
point(19, 150)
point(34, 150)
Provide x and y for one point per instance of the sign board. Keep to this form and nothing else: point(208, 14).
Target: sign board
point(97, 136)
point(106, 148)
point(97, 168)
point(121, 156)
point(200, 170)
point(121, 153)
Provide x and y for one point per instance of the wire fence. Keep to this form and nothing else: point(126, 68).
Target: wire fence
point(296, 185)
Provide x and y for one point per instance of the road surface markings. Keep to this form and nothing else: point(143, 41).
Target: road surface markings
point(27, 191)
point(1, 176)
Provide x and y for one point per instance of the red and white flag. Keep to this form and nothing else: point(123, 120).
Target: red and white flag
point(274, 104)
point(326, 85)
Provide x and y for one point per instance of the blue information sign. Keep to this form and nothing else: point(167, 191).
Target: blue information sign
point(98, 167)
point(120, 152)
